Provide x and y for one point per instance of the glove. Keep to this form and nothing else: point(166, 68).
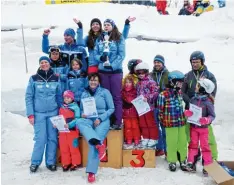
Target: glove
point(127, 22)
point(103, 58)
point(188, 113)
point(205, 121)
point(80, 25)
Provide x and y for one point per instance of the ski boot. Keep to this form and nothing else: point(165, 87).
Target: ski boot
point(33, 168)
point(172, 167)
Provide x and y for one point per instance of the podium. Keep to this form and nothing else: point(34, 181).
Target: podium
point(117, 157)
point(114, 150)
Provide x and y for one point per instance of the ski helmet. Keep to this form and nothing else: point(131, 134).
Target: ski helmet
point(207, 84)
point(142, 66)
point(54, 48)
point(196, 55)
point(176, 75)
point(132, 63)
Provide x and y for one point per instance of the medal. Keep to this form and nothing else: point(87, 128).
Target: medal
point(47, 85)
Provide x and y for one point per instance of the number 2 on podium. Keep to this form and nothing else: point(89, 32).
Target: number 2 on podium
point(139, 156)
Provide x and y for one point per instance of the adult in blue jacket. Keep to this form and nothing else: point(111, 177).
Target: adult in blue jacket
point(94, 32)
point(43, 98)
point(112, 75)
point(69, 46)
point(59, 66)
point(95, 129)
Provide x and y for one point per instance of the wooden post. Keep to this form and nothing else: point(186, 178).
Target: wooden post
point(25, 56)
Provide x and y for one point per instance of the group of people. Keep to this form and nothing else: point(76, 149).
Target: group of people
point(68, 76)
point(197, 8)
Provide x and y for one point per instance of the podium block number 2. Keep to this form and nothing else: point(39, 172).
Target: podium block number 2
point(140, 161)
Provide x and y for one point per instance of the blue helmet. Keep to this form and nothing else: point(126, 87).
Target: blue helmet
point(175, 75)
point(197, 55)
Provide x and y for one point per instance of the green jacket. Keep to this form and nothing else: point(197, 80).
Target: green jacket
point(161, 78)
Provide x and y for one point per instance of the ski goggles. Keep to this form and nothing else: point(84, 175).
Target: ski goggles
point(52, 49)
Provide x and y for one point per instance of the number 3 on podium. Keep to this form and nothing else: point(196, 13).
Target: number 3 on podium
point(139, 156)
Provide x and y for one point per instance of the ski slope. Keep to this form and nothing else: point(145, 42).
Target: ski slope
point(212, 33)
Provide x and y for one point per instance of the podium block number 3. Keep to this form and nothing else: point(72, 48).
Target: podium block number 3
point(139, 157)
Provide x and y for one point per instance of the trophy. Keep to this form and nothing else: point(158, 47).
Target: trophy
point(106, 49)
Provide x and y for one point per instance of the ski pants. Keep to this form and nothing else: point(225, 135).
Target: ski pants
point(45, 137)
point(89, 131)
point(176, 140)
point(68, 144)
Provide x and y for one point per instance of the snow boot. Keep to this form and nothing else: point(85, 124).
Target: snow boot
point(66, 167)
point(205, 173)
point(152, 144)
point(191, 167)
point(52, 167)
point(183, 165)
point(33, 168)
point(144, 143)
point(74, 167)
point(159, 153)
point(172, 167)
point(91, 178)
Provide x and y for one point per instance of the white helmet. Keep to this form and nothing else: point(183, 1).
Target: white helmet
point(207, 84)
point(142, 66)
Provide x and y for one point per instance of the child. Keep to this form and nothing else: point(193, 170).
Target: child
point(200, 134)
point(172, 117)
point(187, 8)
point(68, 141)
point(58, 66)
point(148, 88)
point(131, 67)
point(77, 80)
point(130, 116)
point(161, 6)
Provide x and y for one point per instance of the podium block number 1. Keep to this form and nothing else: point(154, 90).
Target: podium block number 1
point(139, 157)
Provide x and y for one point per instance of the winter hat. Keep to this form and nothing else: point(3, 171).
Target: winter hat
point(44, 58)
point(159, 58)
point(110, 21)
point(70, 32)
point(95, 20)
point(68, 94)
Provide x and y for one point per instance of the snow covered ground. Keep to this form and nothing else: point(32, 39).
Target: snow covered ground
point(210, 33)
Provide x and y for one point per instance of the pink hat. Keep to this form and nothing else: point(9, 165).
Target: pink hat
point(68, 94)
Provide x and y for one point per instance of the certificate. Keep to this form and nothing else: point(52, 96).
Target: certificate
point(141, 106)
point(59, 122)
point(89, 106)
point(197, 114)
